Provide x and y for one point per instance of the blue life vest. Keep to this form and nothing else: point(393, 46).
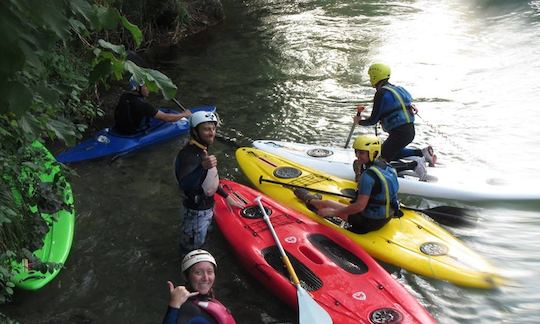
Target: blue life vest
point(396, 107)
point(383, 203)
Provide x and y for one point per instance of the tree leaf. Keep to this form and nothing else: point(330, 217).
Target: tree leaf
point(117, 67)
point(51, 17)
point(118, 49)
point(168, 89)
point(83, 8)
point(134, 30)
point(107, 18)
point(154, 79)
point(78, 26)
point(100, 71)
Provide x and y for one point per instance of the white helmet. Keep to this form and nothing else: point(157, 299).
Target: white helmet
point(195, 257)
point(200, 117)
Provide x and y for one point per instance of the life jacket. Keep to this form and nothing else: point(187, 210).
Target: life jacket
point(217, 310)
point(383, 200)
point(398, 112)
point(125, 120)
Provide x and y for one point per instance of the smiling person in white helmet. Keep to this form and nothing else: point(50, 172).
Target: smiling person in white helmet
point(197, 177)
point(195, 302)
point(133, 114)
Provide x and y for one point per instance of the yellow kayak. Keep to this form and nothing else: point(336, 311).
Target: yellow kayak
point(413, 242)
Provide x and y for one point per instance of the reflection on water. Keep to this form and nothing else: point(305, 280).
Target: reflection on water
point(294, 70)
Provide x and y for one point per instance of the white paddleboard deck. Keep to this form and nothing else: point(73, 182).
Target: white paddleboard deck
point(441, 183)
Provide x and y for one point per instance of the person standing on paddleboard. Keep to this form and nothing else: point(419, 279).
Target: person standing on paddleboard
point(197, 176)
point(376, 201)
point(133, 114)
point(393, 108)
point(195, 302)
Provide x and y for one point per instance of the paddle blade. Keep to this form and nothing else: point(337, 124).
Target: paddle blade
point(309, 311)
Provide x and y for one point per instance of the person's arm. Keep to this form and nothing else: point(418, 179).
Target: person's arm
point(356, 207)
point(171, 317)
point(189, 171)
point(364, 193)
point(230, 199)
point(168, 117)
point(376, 112)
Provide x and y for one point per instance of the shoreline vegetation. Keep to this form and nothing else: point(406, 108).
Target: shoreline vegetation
point(57, 59)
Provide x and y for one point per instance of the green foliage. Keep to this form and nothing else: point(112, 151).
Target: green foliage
point(53, 54)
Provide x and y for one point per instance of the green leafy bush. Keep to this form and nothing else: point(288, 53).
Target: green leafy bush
point(53, 56)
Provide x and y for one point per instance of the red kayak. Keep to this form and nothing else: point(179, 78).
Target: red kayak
point(340, 276)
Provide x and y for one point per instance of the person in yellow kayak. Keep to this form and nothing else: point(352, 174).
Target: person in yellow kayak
point(376, 201)
point(393, 108)
point(133, 114)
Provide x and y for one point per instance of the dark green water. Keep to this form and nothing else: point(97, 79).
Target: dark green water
point(294, 71)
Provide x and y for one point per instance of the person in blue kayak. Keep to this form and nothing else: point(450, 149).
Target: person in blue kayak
point(195, 302)
point(197, 176)
point(376, 201)
point(133, 114)
point(393, 108)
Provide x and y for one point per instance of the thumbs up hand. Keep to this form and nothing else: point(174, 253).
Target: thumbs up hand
point(208, 161)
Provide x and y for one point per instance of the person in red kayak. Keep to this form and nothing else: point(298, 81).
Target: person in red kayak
point(376, 201)
point(393, 108)
point(133, 114)
point(195, 302)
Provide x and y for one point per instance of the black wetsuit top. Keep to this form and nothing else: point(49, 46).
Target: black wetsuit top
point(132, 114)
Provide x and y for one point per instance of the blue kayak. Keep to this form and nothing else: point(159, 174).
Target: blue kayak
point(106, 142)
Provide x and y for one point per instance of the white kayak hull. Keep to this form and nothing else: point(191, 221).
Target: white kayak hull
point(442, 182)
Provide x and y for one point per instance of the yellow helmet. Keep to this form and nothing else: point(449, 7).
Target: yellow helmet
point(378, 72)
point(370, 143)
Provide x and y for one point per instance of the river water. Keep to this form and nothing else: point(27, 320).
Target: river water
point(294, 70)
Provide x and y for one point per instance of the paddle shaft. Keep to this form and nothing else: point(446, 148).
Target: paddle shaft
point(261, 180)
point(350, 135)
point(353, 126)
point(309, 311)
point(454, 215)
point(284, 256)
point(179, 104)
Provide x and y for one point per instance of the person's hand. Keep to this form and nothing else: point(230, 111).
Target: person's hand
point(186, 113)
point(208, 161)
point(231, 201)
point(326, 212)
point(359, 109)
point(414, 109)
point(179, 295)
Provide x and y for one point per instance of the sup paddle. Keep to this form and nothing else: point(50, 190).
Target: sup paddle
point(445, 215)
point(359, 109)
point(309, 311)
